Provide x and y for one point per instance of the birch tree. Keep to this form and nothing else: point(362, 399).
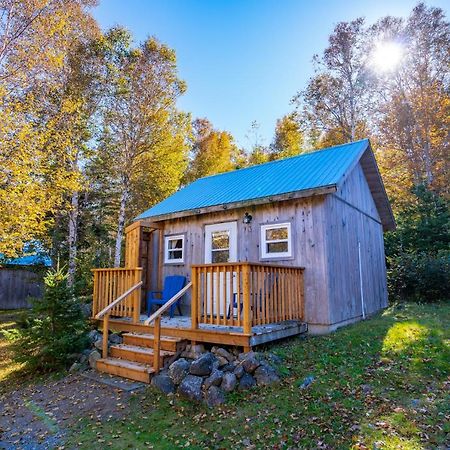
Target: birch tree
point(37, 123)
point(334, 102)
point(141, 86)
point(412, 121)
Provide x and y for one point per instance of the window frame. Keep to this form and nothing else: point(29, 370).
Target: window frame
point(264, 254)
point(173, 237)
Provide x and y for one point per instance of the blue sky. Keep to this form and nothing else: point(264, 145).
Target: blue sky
point(243, 60)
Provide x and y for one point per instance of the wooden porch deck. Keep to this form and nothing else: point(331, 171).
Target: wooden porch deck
point(238, 304)
point(181, 326)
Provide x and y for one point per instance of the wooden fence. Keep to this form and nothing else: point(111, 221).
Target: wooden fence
point(246, 294)
point(17, 286)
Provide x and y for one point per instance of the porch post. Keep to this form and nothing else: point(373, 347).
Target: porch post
point(246, 299)
point(194, 299)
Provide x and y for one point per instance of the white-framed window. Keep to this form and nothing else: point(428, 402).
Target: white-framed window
point(174, 249)
point(276, 240)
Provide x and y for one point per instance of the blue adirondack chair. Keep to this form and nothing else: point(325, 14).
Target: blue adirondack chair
point(172, 285)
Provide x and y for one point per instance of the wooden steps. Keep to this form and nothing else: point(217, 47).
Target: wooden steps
point(134, 358)
point(168, 343)
point(127, 369)
point(138, 354)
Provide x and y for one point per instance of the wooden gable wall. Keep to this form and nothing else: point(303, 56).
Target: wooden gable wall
point(352, 217)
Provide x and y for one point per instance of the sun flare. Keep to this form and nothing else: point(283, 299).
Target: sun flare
point(387, 56)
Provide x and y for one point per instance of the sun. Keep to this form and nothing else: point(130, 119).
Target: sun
point(387, 56)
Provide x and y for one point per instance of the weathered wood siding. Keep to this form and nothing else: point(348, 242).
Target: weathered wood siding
point(352, 218)
point(16, 285)
point(307, 217)
point(326, 232)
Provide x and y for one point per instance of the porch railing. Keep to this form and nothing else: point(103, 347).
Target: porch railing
point(246, 294)
point(109, 284)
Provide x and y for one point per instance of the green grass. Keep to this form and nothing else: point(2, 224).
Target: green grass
point(382, 383)
point(9, 370)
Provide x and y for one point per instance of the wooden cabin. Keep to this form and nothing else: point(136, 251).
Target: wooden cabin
point(267, 251)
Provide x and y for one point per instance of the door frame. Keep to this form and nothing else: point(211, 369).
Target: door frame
point(222, 226)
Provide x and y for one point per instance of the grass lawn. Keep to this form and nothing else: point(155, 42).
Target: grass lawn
point(8, 369)
point(382, 383)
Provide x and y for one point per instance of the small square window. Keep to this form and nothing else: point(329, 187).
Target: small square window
point(174, 249)
point(276, 241)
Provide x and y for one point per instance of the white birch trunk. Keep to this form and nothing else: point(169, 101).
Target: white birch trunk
point(73, 238)
point(121, 225)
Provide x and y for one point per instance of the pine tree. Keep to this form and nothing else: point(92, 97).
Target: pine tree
point(55, 328)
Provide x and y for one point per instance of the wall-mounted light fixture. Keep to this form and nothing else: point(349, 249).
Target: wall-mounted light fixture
point(247, 218)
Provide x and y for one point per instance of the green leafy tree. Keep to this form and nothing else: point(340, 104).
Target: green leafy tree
point(213, 151)
point(288, 140)
point(418, 251)
point(138, 118)
point(54, 330)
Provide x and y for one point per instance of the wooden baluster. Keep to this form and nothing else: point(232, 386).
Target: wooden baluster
point(217, 295)
point(224, 293)
point(230, 308)
point(137, 297)
point(105, 336)
point(283, 293)
point(95, 309)
point(238, 295)
point(195, 299)
point(302, 294)
point(210, 291)
point(291, 296)
point(157, 344)
point(246, 299)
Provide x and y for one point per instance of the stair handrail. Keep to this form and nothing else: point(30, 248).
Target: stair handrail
point(156, 317)
point(105, 313)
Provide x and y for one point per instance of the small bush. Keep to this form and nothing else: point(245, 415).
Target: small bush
point(54, 330)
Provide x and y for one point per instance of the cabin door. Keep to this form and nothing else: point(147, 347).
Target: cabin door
point(220, 247)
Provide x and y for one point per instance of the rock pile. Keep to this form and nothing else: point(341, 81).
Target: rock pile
point(89, 356)
point(207, 375)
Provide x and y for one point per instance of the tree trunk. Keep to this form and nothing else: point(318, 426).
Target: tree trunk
point(73, 237)
point(121, 225)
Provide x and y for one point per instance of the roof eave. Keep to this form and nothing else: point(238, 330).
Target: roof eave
point(323, 190)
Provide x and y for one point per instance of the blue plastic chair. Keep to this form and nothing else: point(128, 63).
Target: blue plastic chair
point(172, 285)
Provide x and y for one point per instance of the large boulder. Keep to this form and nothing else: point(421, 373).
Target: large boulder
point(193, 351)
point(93, 336)
point(219, 351)
point(164, 383)
point(115, 338)
point(94, 356)
point(214, 396)
point(239, 371)
point(98, 344)
point(178, 370)
point(266, 374)
point(250, 363)
point(214, 379)
point(203, 365)
point(229, 382)
point(247, 381)
point(191, 387)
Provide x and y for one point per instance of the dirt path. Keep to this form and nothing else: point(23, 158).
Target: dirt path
point(38, 417)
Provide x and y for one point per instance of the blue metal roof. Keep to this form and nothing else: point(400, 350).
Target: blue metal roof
point(33, 255)
point(307, 171)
